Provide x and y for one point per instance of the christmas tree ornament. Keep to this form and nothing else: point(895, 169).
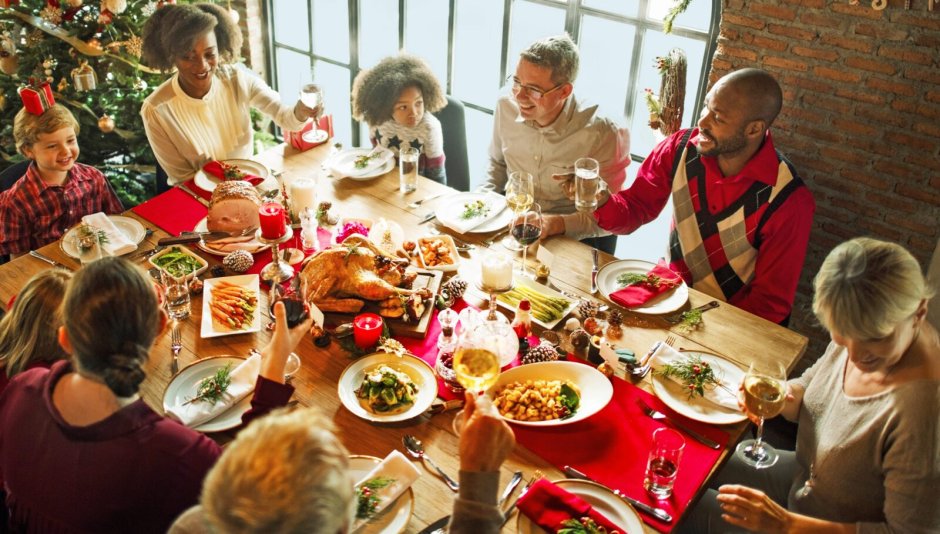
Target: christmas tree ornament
point(234, 14)
point(140, 85)
point(9, 63)
point(105, 18)
point(73, 3)
point(47, 65)
point(37, 97)
point(95, 43)
point(116, 7)
point(3, 102)
point(34, 37)
point(63, 85)
point(106, 124)
point(134, 45)
point(148, 9)
point(51, 14)
point(84, 77)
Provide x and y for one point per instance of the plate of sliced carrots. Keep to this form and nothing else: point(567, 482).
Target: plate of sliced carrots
point(230, 306)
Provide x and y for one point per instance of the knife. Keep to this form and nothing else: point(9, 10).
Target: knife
point(429, 217)
point(516, 478)
point(594, 271)
point(195, 237)
point(658, 513)
point(48, 260)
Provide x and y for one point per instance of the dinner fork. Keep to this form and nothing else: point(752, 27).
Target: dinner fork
point(536, 476)
point(660, 416)
point(644, 366)
point(176, 345)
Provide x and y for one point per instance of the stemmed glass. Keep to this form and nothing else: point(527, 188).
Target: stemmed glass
point(520, 194)
point(311, 95)
point(476, 365)
point(765, 387)
point(526, 229)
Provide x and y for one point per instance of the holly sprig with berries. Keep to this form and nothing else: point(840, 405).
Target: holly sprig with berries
point(694, 373)
point(367, 496)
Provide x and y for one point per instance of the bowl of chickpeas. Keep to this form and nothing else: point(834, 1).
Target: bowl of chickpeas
point(543, 394)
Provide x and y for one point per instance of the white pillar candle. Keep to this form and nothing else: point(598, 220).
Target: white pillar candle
point(303, 195)
point(497, 272)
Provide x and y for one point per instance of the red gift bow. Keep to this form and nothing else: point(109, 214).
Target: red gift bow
point(548, 505)
point(642, 292)
point(216, 169)
point(36, 98)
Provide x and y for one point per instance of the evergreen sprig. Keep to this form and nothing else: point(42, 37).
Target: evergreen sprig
point(211, 388)
point(695, 373)
point(584, 525)
point(677, 9)
point(629, 279)
point(367, 498)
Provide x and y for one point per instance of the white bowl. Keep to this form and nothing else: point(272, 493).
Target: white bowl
point(449, 243)
point(203, 263)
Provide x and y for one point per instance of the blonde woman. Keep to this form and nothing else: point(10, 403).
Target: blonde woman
point(867, 454)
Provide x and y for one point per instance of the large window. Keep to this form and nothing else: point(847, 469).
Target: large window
point(473, 45)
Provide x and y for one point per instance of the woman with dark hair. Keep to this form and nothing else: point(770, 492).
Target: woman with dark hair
point(80, 450)
point(202, 112)
point(396, 98)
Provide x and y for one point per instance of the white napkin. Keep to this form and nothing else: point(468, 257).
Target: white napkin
point(243, 381)
point(394, 466)
point(346, 166)
point(118, 244)
point(449, 214)
point(717, 395)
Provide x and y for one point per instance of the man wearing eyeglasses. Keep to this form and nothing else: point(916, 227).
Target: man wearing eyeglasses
point(542, 129)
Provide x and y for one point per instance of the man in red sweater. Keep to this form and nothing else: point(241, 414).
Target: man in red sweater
point(742, 215)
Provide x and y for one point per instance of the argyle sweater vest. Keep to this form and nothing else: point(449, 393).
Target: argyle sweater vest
point(719, 250)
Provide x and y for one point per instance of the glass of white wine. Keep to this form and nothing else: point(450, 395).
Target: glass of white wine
point(520, 194)
point(311, 95)
point(476, 365)
point(765, 392)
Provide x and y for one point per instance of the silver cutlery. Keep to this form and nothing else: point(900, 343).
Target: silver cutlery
point(513, 482)
point(536, 475)
point(677, 317)
point(48, 260)
point(415, 448)
point(495, 238)
point(658, 513)
point(144, 254)
point(428, 218)
point(207, 237)
point(193, 194)
point(643, 366)
point(176, 345)
point(417, 203)
point(660, 416)
point(594, 270)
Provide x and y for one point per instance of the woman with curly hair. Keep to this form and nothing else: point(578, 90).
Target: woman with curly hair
point(202, 112)
point(396, 98)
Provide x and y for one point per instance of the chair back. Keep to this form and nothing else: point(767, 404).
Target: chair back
point(11, 174)
point(454, 128)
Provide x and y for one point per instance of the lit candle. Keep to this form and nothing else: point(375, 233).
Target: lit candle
point(303, 195)
point(273, 225)
point(497, 272)
point(367, 328)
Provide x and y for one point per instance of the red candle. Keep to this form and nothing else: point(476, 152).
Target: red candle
point(273, 223)
point(367, 328)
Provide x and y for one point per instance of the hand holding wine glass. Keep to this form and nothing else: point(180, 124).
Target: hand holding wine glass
point(526, 228)
point(476, 366)
point(765, 394)
point(311, 95)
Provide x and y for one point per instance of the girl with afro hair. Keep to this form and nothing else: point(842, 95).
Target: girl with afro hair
point(395, 98)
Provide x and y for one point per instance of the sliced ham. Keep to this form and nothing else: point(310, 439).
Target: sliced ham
point(233, 208)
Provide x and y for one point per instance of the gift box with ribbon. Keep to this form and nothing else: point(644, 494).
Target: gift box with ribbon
point(37, 98)
point(296, 139)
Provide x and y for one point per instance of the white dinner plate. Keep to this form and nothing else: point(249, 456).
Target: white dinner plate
point(669, 301)
point(698, 408)
point(596, 389)
point(420, 372)
point(253, 246)
point(130, 227)
point(394, 518)
point(448, 212)
point(521, 281)
point(212, 328)
point(184, 384)
point(343, 164)
point(600, 498)
point(208, 182)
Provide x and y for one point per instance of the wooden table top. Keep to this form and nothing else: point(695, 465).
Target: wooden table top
point(728, 331)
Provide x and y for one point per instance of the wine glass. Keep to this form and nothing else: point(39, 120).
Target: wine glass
point(765, 392)
point(311, 95)
point(587, 184)
point(291, 366)
point(520, 194)
point(477, 365)
point(526, 228)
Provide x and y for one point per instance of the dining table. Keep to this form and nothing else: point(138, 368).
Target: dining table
point(598, 445)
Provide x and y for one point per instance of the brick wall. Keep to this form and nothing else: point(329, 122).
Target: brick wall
point(860, 121)
point(252, 26)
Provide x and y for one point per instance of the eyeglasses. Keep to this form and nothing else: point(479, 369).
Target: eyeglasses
point(534, 93)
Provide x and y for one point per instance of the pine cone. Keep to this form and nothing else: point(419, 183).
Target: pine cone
point(587, 308)
point(615, 318)
point(455, 287)
point(238, 261)
point(543, 353)
point(580, 338)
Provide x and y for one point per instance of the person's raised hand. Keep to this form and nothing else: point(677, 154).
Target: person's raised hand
point(752, 509)
point(566, 183)
point(303, 112)
point(274, 354)
point(485, 439)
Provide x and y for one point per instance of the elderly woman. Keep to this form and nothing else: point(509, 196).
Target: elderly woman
point(867, 455)
point(202, 112)
point(81, 451)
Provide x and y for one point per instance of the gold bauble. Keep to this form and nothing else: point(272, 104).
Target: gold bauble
point(9, 64)
point(106, 124)
point(234, 14)
point(3, 102)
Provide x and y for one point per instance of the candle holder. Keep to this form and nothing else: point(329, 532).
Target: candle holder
point(277, 271)
point(493, 292)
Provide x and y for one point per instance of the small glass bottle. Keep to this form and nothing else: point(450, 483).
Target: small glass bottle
point(522, 322)
point(308, 234)
point(446, 346)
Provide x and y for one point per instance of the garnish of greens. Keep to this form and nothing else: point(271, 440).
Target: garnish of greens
point(568, 401)
point(362, 162)
point(472, 210)
point(367, 498)
point(87, 234)
point(585, 525)
point(177, 262)
point(231, 172)
point(694, 373)
point(690, 320)
point(211, 388)
point(629, 279)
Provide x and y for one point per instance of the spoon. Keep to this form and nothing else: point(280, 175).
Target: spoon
point(417, 203)
point(415, 448)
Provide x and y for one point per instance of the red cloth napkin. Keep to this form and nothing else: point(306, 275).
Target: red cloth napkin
point(547, 505)
point(173, 211)
point(613, 445)
point(296, 139)
point(216, 168)
point(638, 294)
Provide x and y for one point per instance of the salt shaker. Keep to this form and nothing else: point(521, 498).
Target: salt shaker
point(308, 233)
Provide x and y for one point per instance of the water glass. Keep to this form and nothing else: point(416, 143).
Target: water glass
point(663, 464)
point(587, 184)
point(408, 169)
point(176, 294)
